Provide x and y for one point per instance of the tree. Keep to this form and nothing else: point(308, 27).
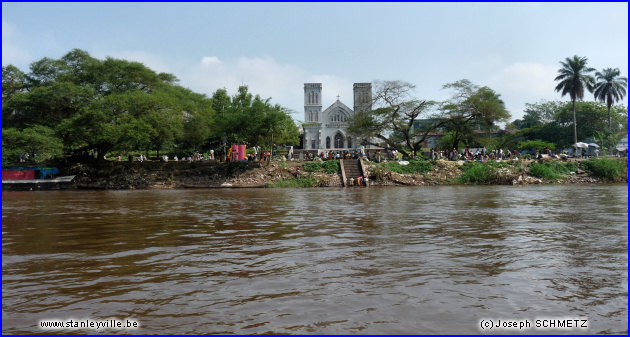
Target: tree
point(199, 119)
point(610, 87)
point(574, 78)
point(13, 81)
point(551, 121)
point(395, 121)
point(88, 104)
point(537, 114)
point(278, 127)
point(472, 108)
point(38, 141)
point(251, 120)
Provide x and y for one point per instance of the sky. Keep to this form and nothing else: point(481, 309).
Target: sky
point(274, 48)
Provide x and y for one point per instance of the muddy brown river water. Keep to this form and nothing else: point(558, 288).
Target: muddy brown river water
point(403, 260)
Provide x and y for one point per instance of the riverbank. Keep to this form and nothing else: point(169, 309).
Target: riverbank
point(211, 174)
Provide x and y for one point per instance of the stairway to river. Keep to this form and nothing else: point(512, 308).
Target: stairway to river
point(351, 169)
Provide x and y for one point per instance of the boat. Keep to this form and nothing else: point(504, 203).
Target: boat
point(33, 178)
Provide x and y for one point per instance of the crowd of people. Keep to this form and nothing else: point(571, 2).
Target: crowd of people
point(378, 155)
point(336, 155)
point(478, 154)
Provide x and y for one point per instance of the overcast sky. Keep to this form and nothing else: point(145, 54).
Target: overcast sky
point(275, 48)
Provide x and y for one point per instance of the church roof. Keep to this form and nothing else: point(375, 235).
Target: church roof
point(335, 105)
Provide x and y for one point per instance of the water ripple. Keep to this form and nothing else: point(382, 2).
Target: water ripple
point(367, 261)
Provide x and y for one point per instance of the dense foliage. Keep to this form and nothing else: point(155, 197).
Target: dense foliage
point(551, 170)
point(80, 104)
point(304, 181)
point(414, 167)
point(329, 166)
point(471, 108)
point(609, 169)
point(477, 173)
point(551, 122)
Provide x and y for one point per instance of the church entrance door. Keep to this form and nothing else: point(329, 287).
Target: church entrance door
point(338, 141)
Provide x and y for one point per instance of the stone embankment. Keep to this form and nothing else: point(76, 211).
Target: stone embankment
point(210, 174)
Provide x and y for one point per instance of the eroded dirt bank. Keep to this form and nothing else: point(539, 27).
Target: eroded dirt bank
point(169, 175)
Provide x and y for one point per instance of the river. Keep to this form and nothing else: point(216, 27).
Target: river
point(402, 260)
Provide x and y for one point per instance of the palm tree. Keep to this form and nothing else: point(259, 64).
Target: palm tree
point(610, 88)
point(574, 77)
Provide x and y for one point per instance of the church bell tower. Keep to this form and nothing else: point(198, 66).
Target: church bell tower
point(362, 97)
point(312, 102)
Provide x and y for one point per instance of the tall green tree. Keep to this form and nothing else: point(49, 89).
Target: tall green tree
point(610, 87)
point(537, 114)
point(472, 108)
point(278, 127)
point(574, 79)
point(245, 118)
point(103, 105)
point(112, 105)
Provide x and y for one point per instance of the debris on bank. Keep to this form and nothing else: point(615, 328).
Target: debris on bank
point(213, 174)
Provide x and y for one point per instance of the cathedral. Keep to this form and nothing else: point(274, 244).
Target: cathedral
point(328, 129)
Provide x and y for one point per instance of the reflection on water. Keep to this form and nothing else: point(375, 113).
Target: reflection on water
point(376, 260)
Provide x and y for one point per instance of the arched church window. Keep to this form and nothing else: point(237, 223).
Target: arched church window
point(316, 116)
point(316, 98)
point(328, 142)
point(349, 142)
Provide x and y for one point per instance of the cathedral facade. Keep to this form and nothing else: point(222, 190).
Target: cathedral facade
point(327, 129)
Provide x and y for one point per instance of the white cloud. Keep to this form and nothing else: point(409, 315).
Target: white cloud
point(525, 82)
point(12, 52)
point(264, 76)
point(529, 78)
point(209, 61)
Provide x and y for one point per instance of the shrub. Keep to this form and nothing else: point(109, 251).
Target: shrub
point(304, 181)
point(477, 173)
point(377, 172)
point(609, 169)
point(312, 166)
point(551, 170)
point(503, 163)
point(571, 166)
point(414, 166)
point(543, 171)
point(331, 166)
point(535, 144)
